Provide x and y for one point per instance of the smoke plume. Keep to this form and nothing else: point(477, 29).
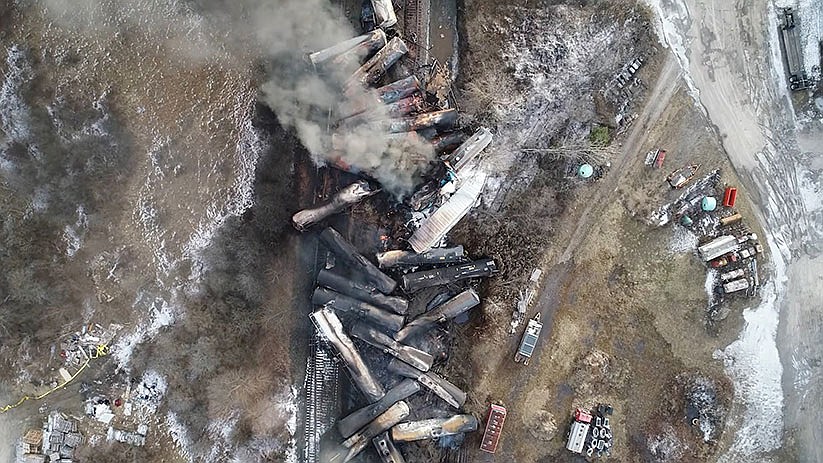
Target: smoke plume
point(304, 98)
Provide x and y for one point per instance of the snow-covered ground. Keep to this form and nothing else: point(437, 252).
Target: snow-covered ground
point(811, 31)
point(734, 67)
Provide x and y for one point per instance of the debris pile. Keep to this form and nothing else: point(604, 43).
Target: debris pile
point(525, 298)
point(385, 322)
point(705, 405)
point(591, 433)
point(358, 311)
point(80, 347)
point(60, 438)
point(725, 244)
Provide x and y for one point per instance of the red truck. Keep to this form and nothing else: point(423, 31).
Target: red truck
point(494, 425)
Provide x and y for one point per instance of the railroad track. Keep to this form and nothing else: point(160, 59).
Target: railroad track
point(416, 19)
point(322, 380)
point(322, 389)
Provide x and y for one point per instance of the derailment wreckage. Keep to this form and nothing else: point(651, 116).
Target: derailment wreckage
point(447, 391)
point(376, 338)
point(329, 298)
point(384, 95)
point(355, 444)
point(359, 418)
point(434, 428)
point(432, 231)
point(443, 276)
point(362, 291)
point(326, 54)
point(469, 150)
point(387, 450)
point(439, 120)
point(330, 328)
point(373, 69)
point(436, 256)
point(347, 253)
point(450, 309)
point(413, 121)
point(344, 198)
point(375, 40)
point(384, 15)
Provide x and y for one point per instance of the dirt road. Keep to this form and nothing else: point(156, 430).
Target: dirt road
point(731, 57)
point(667, 84)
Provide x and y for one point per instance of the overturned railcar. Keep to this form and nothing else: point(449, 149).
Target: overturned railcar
point(361, 417)
point(362, 291)
point(376, 338)
point(452, 308)
point(442, 388)
point(326, 297)
point(436, 256)
point(434, 428)
point(358, 442)
point(469, 149)
point(442, 276)
point(330, 328)
point(347, 196)
point(386, 449)
point(348, 254)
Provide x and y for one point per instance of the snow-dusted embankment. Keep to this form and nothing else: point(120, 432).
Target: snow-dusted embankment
point(734, 67)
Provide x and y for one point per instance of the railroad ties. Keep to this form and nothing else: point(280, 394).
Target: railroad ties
point(322, 391)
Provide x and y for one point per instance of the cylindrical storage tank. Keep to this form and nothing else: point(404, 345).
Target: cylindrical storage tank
point(585, 171)
point(709, 203)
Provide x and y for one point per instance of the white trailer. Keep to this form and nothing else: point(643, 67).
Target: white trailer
point(736, 285)
point(728, 276)
point(718, 247)
point(577, 437)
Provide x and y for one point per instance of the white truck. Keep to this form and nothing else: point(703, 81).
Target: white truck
point(529, 340)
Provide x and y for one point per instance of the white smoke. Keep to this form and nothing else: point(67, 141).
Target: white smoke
point(302, 97)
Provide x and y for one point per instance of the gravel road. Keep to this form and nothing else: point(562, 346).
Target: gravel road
point(731, 56)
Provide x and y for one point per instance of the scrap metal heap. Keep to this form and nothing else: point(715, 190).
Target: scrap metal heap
point(726, 245)
point(362, 314)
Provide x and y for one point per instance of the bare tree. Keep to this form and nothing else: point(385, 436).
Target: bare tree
point(582, 151)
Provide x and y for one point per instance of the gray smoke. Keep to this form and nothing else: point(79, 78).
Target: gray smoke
point(302, 98)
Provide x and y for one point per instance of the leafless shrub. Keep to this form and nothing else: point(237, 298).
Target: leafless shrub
point(488, 92)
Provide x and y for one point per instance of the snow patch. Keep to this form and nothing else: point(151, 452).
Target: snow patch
point(754, 365)
point(14, 114)
point(249, 146)
point(671, 25)
point(179, 435)
point(711, 280)
point(810, 187)
point(682, 241)
point(666, 446)
point(287, 402)
point(73, 235)
point(160, 314)
point(149, 393)
point(145, 213)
